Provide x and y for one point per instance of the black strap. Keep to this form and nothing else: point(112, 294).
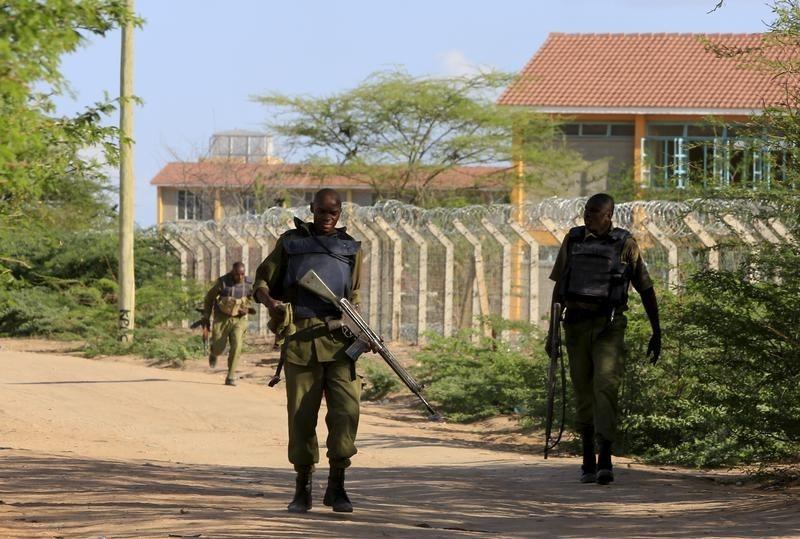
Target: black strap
point(350, 261)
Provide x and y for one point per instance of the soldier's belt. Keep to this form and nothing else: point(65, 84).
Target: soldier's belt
point(322, 329)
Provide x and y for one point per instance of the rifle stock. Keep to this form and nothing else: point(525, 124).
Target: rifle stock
point(365, 338)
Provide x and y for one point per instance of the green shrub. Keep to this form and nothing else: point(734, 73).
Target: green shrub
point(379, 378)
point(472, 377)
point(166, 299)
point(86, 296)
point(726, 390)
point(42, 311)
point(65, 287)
point(163, 346)
point(108, 288)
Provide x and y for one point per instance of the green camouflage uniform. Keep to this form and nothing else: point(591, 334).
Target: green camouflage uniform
point(226, 330)
point(596, 347)
point(316, 364)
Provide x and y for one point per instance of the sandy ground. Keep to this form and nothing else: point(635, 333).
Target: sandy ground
point(116, 448)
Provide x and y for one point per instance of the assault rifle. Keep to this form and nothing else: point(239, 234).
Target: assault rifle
point(556, 357)
point(354, 326)
point(202, 322)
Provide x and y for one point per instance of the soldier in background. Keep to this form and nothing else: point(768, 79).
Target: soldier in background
point(594, 268)
point(230, 299)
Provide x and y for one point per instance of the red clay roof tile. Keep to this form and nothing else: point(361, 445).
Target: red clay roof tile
point(232, 174)
point(641, 70)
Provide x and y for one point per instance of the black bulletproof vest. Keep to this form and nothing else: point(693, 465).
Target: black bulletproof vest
point(332, 257)
point(232, 290)
point(595, 270)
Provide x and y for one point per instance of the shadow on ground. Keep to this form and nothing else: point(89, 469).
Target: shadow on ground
point(60, 496)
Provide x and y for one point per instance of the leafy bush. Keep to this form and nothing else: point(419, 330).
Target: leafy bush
point(65, 287)
point(472, 377)
point(380, 379)
point(43, 311)
point(163, 346)
point(726, 390)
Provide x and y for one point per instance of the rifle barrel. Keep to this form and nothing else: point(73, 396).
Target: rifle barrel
point(348, 309)
point(555, 352)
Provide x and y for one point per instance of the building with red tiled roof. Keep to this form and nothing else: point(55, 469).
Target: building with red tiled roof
point(644, 103)
point(241, 177)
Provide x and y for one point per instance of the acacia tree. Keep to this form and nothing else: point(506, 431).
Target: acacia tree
point(399, 133)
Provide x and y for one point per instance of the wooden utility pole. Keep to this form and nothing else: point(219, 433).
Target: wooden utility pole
point(127, 180)
point(517, 216)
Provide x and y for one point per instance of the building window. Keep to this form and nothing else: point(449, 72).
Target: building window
point(684, 155)
point(190, 207)
point(247, 146)
point(249, 204)
point(621, 130)
point(594, 129)
point(572, 130)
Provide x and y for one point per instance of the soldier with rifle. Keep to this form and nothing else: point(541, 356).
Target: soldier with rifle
point(230, 301)
point(313, 354)
point(594, 268)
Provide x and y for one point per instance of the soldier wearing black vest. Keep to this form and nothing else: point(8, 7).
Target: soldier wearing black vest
point(315, 359)
point(230, 300)
point(593, 271)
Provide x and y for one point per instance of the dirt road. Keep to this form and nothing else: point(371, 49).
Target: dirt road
point(102, 448)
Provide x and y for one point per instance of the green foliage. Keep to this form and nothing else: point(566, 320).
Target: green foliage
point(399, 133)
point(41, 170)
point(621, 185)
point(58, 241)
point(728, 386)
point(43, 311)
point(778, 124)
point(472, 377)
point(726, 390)
point(64, 286)
point(163, 346)
point(380, 379)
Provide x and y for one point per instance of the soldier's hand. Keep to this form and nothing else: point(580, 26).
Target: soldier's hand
point(261, 296)
point(275, 308)
point(654, 348)
point(547, 341)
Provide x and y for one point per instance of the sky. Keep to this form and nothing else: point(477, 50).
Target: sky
point(198, 63)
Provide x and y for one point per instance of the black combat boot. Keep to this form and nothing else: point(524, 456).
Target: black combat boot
point(605, 473)
point(589, 467)
point(335, 495)
point(302, 493)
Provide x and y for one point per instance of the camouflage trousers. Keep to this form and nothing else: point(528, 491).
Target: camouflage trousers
point(228, 331)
